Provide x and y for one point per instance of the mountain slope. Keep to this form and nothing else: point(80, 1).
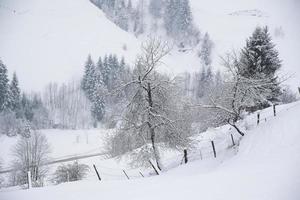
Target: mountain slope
point(265, 167)
point(52, 39)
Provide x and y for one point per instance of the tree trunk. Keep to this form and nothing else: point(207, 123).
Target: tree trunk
point(236, 128)
point(155, 150)
point(152, 131)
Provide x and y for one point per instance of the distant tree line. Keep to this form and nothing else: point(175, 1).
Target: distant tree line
point(174, 16)
point(19, 113)
point(102, 78)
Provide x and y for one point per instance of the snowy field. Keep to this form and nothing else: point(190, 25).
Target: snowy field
point(264, 166)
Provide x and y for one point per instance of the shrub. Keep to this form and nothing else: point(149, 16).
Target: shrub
point(70, 172)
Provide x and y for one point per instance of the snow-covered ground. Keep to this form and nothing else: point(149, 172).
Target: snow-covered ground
point(64, 143)
point(53, 38)
point(264, 166)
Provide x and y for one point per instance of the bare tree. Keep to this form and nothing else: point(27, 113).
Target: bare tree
point(68, 107)
point(237, 93)
point(30, 154)
point(154, 116)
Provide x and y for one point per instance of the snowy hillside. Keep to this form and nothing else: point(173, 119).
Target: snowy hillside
point(43, 37)
point(51, 36)
point(265, 167)
point(230, 22)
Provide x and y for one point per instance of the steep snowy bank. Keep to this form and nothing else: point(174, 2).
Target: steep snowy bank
point(265, 167)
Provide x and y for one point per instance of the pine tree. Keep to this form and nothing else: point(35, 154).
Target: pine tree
point(98, 104)
point(105, 70)
point(121, 15)
point(4, 88)
point(178, 22)
point(88, 81)
point(206, 48)
point(184, 21)
point(15, 93)
point(27, 110)
point(129, 5)
point(170, 17)
point(155, 8)
point(113, 67)
point(260, 60)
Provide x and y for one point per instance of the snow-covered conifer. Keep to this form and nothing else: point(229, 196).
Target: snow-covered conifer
point(260, 60)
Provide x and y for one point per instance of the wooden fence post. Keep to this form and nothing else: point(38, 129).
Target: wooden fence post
point(213, 146)
point(126, 174)
point(201, 155)
point(232, 140)
point(97, 173)
point(274, 110)
point(141, 174)
point(29, 179)
point(258, 117)
point(153, 167)
point(68, 176)
point(185, 156)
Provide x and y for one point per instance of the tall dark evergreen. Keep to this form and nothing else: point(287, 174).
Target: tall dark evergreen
point(205, 51)
point(105, 70)
point(4, 88)
point(15, 93)
point(88, 81)
point(260, 60)
point(27, 108)
point(170, 17)
point(178, 22)
point(98, 103)
point(184, 21)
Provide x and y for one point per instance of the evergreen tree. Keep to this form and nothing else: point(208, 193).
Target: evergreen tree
point(105, 70)
point(122, 64)
point(206, 48)
point(170, 16)
point(260, 60)
point(184, 20)
point(100, 65)
point(4, 88)
point(122, 16)
point(27, 111)
point(15, 93)
point(129, 5)
point(98, 104)
point(88, 81)
point(178, 22)
point(112, 66)
point(155, 8)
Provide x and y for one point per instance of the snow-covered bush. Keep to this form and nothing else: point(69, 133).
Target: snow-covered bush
point(70, 172)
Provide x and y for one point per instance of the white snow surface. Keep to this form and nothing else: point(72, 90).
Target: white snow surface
point(266, 166)
point(49, 40)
